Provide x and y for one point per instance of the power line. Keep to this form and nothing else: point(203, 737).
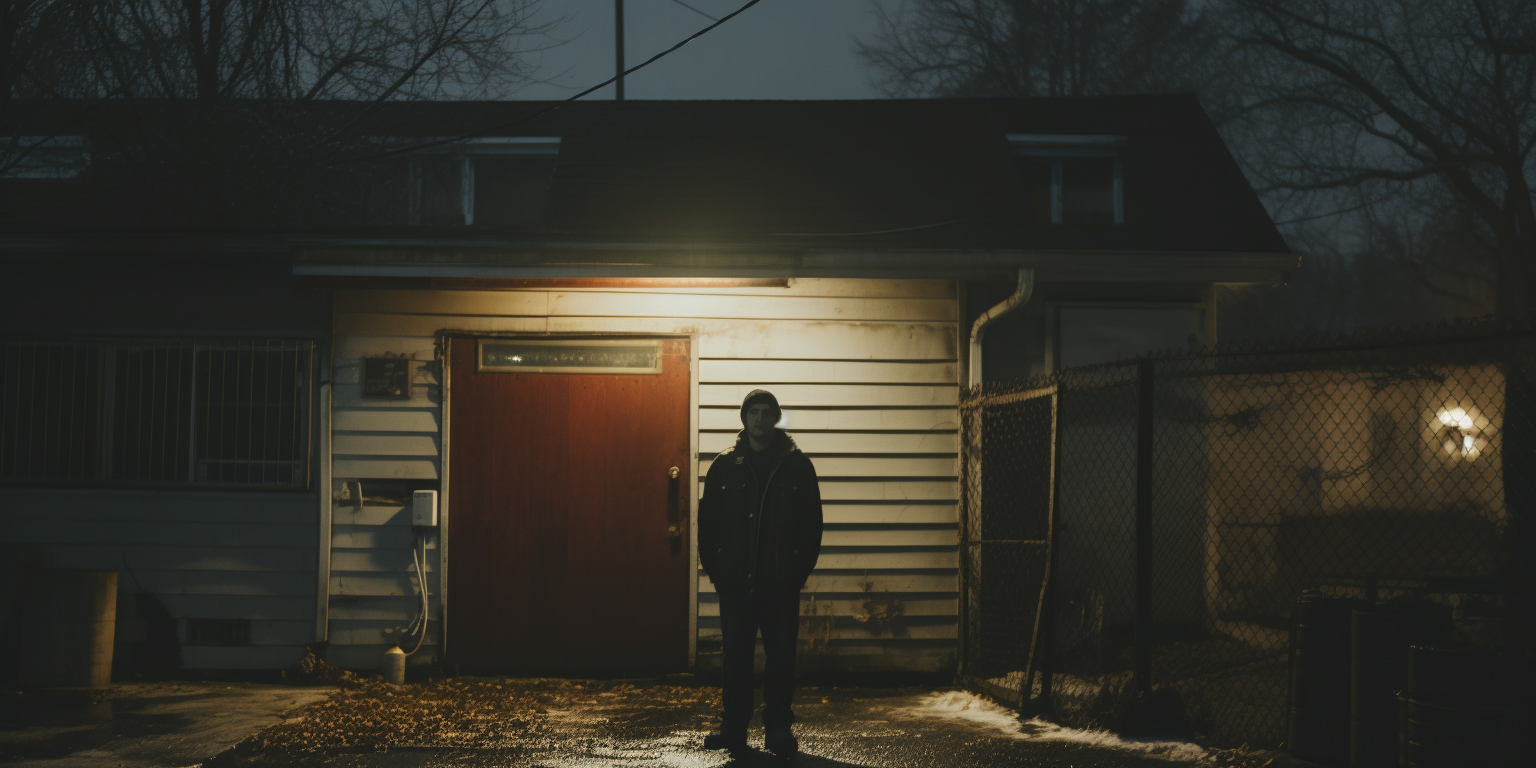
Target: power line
point(695, 10)
point(508, 124)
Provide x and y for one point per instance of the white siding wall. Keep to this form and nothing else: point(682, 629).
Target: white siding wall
point(373, 585)
point(206, 554)
point(865, 370)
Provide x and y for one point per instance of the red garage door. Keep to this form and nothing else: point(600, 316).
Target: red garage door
point(568, 533)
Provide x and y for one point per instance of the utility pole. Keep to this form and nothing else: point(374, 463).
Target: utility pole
point(618, 49)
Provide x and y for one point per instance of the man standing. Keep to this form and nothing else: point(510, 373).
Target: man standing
point(759, 538)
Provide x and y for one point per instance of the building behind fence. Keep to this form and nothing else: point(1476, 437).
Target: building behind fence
point(1150, 526)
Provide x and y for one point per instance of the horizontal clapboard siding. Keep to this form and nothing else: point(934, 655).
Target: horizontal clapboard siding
point(865, 369)
point(801, 420)
point(828, 467)
point(921, 604)
point(204, 554)
point(375, 590)
point(801, 395)
point(562, 304)
point(757, 372)
point(849, 442)
point(762, 339)
point(938, 491)
point(825, 582)
point(365, 584)
point(386, 439)
point(891, 514)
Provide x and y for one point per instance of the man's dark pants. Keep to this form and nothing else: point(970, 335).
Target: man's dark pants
point(741, 616)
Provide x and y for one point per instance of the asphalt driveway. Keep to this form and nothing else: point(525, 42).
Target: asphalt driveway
point(574, 723)
point(142, 725)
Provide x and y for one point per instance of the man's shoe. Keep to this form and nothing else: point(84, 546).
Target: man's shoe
point(735, 742)
point(781, 742)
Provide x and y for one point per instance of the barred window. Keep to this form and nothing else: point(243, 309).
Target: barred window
point(204, 412)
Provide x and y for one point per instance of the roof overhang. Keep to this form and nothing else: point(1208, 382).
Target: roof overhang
point(463, 258)
point(671, 261)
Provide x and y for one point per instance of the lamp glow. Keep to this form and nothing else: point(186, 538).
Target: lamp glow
point(1457, 417)
point(1460, 433)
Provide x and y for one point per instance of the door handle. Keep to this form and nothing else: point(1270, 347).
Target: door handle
point(674, 499)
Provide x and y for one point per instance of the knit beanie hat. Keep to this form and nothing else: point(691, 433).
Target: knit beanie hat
point(758, 396)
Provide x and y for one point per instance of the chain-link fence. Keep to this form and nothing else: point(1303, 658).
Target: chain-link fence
point(1144, 531)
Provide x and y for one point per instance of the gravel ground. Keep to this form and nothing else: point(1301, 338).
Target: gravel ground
point(468, 721)
point(483, 713)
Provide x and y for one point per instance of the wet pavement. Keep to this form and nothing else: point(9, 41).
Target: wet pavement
point(141, 725)
point(576, 724)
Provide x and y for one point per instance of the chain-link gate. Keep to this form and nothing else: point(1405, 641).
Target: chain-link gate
point(1181, 506)
point(1008, 458)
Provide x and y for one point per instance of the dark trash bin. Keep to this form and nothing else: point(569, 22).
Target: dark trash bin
point(1317, 726)
point(1467, 707)
point(1379, 669)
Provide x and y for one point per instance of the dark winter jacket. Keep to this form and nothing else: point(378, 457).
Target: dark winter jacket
point(740, 553)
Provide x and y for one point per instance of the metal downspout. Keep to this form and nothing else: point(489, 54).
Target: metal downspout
point(971, 452)
point(1020, 297)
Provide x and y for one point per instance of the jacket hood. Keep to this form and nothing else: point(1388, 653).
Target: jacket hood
point(782, 446)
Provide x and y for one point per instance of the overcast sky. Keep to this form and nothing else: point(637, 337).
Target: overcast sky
point(778, 49)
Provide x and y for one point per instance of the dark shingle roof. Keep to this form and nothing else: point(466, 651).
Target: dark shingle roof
point(843, 174)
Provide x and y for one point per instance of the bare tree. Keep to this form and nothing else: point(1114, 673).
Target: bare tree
point(1413, 260)
point(1375, 94)
point(267, 49)
point(249, 66)
point(1363, 94)
point(1038, 47)
point(39, 45)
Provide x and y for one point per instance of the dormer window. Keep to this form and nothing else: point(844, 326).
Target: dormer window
point(44, 157)
point(498, 181)
point(1071, 179)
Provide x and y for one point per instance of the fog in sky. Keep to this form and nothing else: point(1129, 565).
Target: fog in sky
point(778, 49)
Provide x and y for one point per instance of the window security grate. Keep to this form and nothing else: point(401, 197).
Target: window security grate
point(223, 413)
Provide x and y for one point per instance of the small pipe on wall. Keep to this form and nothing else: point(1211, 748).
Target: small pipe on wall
point(1020, 297)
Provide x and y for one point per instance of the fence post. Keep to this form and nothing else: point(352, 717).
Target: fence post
point(1046, 636)
point(1141, 676)
point(970, 517)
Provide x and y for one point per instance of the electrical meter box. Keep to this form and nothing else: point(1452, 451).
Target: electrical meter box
point(424, 509)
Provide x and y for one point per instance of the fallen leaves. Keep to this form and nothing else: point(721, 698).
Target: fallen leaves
point(371, 715)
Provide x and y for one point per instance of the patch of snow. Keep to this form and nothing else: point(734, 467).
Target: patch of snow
point(963, 705)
